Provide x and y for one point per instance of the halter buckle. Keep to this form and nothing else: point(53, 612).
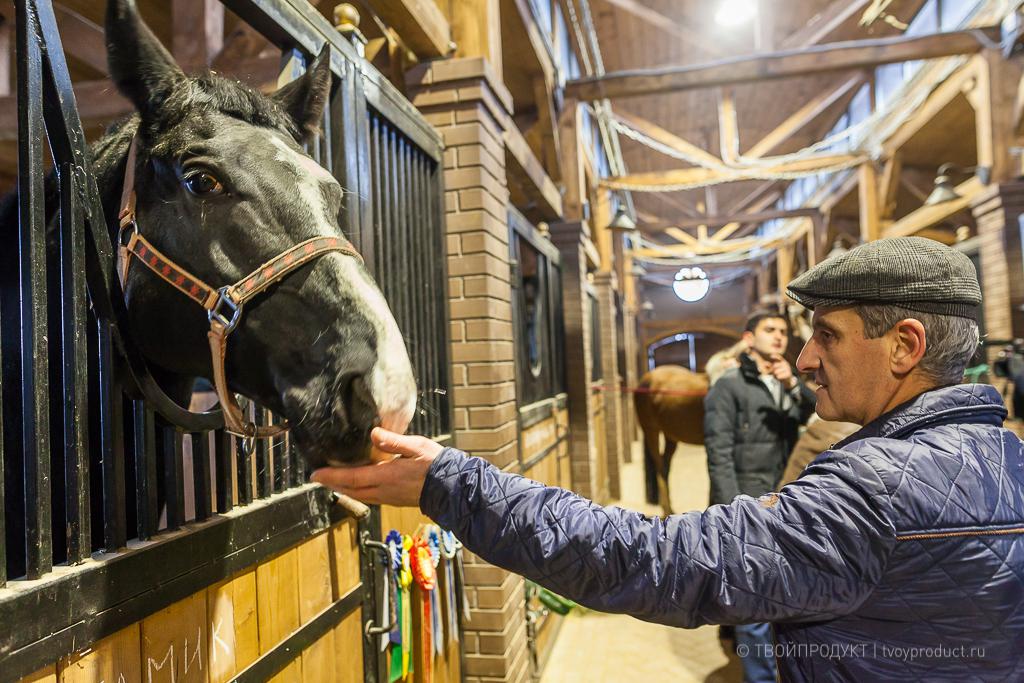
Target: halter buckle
point(224, 301)
point(130, 229)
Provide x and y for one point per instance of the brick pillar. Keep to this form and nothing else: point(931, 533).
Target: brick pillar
point(568, 237)
point(604, 286)
point(467, 104)
point(998, 213)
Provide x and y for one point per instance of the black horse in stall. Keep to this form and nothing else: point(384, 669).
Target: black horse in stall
point(222, 186)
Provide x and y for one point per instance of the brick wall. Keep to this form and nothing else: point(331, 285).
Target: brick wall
point(604, 286)
point(466, 103)
point(997, 213)
point(568, 238)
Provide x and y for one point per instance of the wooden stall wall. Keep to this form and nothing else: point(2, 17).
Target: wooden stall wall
point(216, 633)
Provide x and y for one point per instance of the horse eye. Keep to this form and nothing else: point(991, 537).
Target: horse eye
point(202, 184)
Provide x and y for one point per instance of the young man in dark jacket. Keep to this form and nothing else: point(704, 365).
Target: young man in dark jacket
point(752, 416)
point(897, 555)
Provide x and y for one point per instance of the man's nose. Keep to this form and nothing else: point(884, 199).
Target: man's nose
point(808, 360)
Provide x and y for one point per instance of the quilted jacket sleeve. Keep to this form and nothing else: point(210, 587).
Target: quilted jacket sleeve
point(814, 551)
point(719, 440)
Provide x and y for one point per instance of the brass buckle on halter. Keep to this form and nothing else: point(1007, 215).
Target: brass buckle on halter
point(131, 228)
point(224, 298)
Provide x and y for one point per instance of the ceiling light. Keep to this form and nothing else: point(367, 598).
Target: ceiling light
point(691, 284)
point(735, 12)
point(622, 221)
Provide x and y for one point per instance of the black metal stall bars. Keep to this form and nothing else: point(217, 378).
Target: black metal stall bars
point(82, 462)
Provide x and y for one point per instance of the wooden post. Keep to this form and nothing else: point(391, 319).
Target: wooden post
point(198, 32)
point(812, 240)
point(572, 161)
point(476, 30)
point(867, 192)
point(785, 266)
point(728, 132)
point(603, 237)
point(888, 187)
point(993, 100)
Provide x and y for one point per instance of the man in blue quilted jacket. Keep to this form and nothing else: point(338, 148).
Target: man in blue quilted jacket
point(897, 555)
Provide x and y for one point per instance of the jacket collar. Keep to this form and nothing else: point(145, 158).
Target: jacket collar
point(748, 367)
point(963, 403)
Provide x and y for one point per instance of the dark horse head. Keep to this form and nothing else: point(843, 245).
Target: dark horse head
point(222, 186)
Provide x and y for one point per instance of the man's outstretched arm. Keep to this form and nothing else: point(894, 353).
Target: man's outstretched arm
point(814, 551)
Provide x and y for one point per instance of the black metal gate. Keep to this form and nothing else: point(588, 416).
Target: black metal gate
point(78, 472)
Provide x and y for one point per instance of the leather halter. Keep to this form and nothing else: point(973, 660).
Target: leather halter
point(223, 305)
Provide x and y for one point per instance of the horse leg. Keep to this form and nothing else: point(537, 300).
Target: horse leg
point(652, 464)
point(666, 460)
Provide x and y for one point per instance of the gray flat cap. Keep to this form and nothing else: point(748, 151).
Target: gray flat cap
point(913, 272)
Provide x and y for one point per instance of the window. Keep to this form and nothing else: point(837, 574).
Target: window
point(953, 13)
point(536, 312)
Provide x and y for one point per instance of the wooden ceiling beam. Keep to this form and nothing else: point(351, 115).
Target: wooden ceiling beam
point(682, 236)
point(752, 217)
point(707, 176)
point(858, 54)
point(927, 216)
point(666, 138)
point(824, 23)
point(804, 116)
point(540, 188)
point(197, 32)
point(676, 203)
point(889, 185)
point(728, 127)
point(689, 35)
point(81, 38)
point(963, 80)
point(420, 24)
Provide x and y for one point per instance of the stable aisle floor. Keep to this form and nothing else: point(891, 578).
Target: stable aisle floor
point(611, 648)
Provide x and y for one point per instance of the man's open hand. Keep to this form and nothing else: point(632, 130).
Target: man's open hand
point(392, 482)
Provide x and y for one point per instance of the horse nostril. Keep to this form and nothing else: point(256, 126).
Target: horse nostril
point(356, 407)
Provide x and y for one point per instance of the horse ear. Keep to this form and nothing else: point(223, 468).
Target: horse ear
point(304, 98)
point(140, 66)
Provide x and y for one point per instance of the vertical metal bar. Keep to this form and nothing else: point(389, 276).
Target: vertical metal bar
point(279, 476)
point(174, 475)
point(244, 462)
point(32, 283)
point(298, 471)
point(74, 342)
point(428, 312)
point(223, 447)
point(420, 312)
point(437, 212)
point(264, 475)
point(144, 448)
point(201, 474)
point(115, 533)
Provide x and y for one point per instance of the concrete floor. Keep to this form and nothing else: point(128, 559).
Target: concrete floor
point(610, 648)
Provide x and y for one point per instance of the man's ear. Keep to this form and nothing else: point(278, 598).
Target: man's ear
point(908, 345)
point(304, 98)
point(748, 340)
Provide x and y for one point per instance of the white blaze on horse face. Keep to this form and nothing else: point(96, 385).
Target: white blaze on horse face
point(391, 381)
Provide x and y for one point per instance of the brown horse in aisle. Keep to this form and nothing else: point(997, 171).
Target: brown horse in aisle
point(669, 401)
